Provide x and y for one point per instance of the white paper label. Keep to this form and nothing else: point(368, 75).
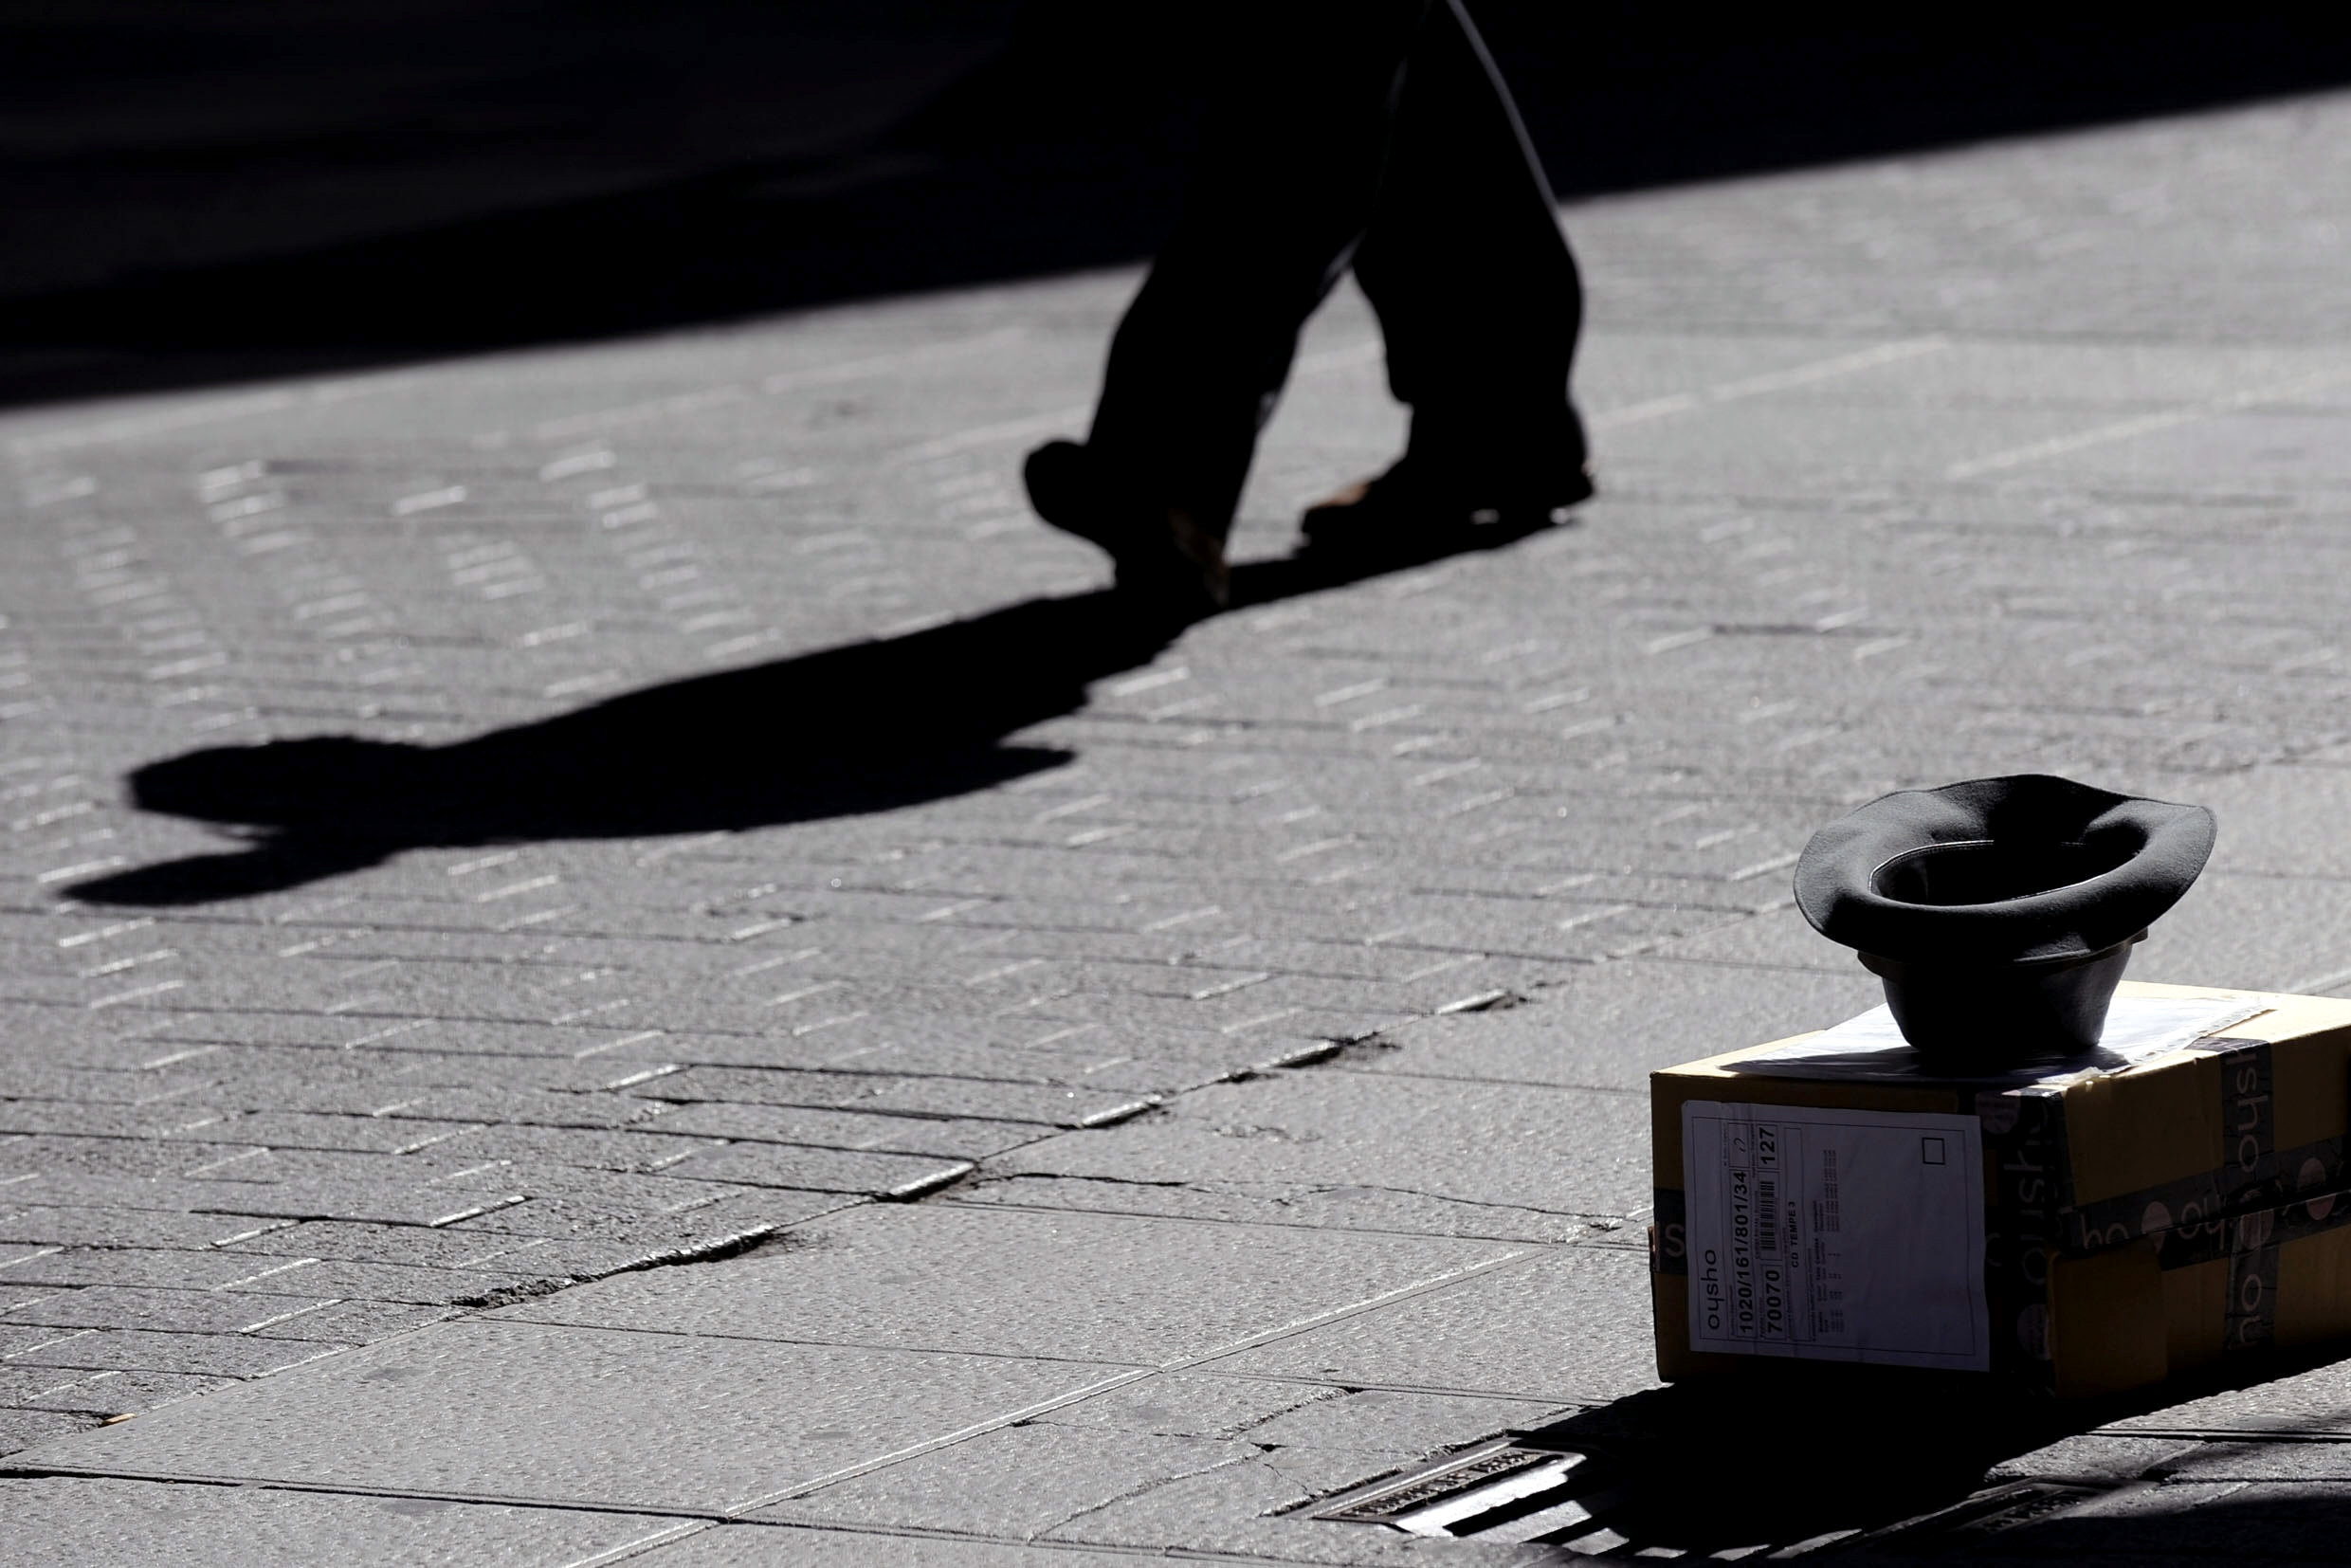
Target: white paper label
point(1870, 1046)
point(1835, 1235)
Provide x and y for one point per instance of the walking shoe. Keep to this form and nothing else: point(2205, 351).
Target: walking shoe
point(1162, 557)
point(1410, 510)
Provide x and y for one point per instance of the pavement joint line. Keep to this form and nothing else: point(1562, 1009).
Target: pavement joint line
point(1640, 1091)
point(948, 1440)
point(14, 1468)
point(911, 1532)
point(2224, 1434)
point(691, 1521)
point(1442, 1390)
point(2124, 429)
point(483, 1315)
point(1823, 370)
point(1180, 1364)
point(1317, 1227)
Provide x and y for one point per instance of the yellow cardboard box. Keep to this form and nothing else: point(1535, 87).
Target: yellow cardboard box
point(2181, 1199)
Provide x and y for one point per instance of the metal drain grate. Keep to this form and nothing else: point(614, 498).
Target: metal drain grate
point(1460, 1491)
point(1511, 1491)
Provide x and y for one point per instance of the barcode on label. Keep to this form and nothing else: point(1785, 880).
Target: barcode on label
point(1767, 1215)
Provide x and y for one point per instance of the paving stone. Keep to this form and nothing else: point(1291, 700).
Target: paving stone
point(167, 1311)
point(1614, 1024)
point(746, 1543)
point(1096, 1286)
point(1571, 1327)
point(1226, 1509)
point(2228, 931)
point(1179, 1404)
point(262, 1199)
point(1021, 1481)
point(127, 1228)
point(2096, 1458)
point(2312, 1399)
point(344, 1279)
point(2260, 1461)
point(1324, 1147)
point(82, 1392)
point(300, 1130)
point(627, 1192)
point(156, 1269)
point(1061, 1053)
point(352, 1322)
point(824, 1170)
point(1043, 1105)
point(959, 1137)
point(466, 1410)
point(640, 1151)
point(25, 1382)
point(195, 1354)
point(521, 1107)
point(2194, 1520)
point(740, 1213)
point(1399, 1421)
point(1780, 941)
point(67, 1518)
point(2280, 824)
point(416, 1246)
point(1144, 1016)
point(22, 1429)
point(15, 1296)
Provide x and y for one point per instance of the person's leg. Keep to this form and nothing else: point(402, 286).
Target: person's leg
point(1290, 169)
point(1475, 288)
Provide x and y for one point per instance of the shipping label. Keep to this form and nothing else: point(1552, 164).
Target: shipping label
point(1835, 1234)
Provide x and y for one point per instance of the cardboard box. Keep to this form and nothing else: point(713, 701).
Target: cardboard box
point(2086, 1232)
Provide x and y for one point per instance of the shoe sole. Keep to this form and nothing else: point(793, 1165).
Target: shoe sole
point(1179, 565)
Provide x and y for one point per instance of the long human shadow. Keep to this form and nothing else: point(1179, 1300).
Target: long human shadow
point(862, 727)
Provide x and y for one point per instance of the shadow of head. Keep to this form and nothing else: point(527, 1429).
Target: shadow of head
point(863, 727)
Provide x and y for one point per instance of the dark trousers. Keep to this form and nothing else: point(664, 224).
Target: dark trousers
point(1366, 132)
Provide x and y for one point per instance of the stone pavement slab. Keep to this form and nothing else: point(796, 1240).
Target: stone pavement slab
point(1605, 1032)
point(54, 1519)
point(1356, 1151)
point(1106, 1288)
point(1056, 1484)
point(2191, 1521)
point(1571, 1327)
point(560, 1414)
point(1031, 1480)
point(749, 1545)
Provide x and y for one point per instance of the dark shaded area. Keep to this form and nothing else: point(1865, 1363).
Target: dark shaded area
point(1835, 1452)
point(747, 158)
point(1787, 1457)
point(863, 727)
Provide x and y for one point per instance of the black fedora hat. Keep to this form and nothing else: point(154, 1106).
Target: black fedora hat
point(2000, 911)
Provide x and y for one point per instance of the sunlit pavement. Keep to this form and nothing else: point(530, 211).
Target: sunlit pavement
point(1096, 1102)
